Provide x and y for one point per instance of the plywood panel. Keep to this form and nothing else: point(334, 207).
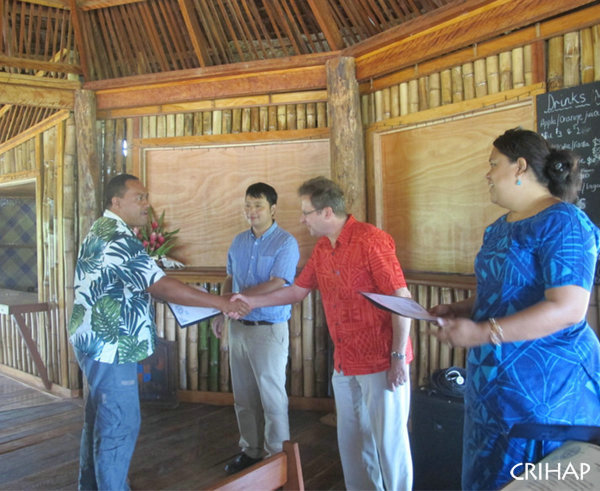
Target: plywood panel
point(202, 191)
point(435, 197)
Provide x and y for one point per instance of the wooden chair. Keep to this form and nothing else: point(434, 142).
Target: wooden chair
point(282, 470)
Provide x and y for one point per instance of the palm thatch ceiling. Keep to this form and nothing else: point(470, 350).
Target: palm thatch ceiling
point(70, 42)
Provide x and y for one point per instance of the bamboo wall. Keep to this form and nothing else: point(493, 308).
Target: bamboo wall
point(50, 157)
point(572, 59)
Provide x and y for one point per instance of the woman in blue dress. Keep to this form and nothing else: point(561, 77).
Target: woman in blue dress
point(532, 357)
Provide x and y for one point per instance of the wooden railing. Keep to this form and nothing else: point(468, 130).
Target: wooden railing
point(203, 360)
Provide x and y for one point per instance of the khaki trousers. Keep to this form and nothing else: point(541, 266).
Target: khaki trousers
point(258, 357)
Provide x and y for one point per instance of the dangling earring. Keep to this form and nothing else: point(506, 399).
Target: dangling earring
point(518, 181)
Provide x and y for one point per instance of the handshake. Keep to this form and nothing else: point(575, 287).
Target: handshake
point(236, 305)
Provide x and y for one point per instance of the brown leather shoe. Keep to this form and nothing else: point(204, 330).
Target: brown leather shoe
point(240, 462)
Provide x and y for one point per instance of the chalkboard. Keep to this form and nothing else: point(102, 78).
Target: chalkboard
point(570, 119)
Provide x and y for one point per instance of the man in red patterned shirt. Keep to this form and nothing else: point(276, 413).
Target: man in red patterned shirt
point(372, 347)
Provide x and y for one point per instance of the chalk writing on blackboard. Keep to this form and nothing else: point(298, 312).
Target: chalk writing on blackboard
point(570, 119)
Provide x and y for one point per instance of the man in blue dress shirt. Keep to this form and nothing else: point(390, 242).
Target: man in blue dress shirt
point(260, 260)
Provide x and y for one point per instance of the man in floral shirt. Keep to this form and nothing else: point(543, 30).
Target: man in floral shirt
point(112, 328)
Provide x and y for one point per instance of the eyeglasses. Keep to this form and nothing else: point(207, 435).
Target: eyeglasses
point(306, 213)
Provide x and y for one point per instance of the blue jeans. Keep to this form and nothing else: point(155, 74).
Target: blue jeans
point(111, 424)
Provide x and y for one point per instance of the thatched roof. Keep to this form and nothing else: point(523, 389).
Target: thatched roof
point(62, 44)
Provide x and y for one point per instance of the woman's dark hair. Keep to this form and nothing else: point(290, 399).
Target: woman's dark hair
point(556, 169)
point(116, 187)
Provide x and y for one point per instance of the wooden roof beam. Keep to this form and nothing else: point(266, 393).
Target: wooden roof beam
point(300, 73)
point(191, 23)
point(528, 35)
point(38, 65)
point(448, 29)
point(79, 42)
point(27, 90)
point(324, 16)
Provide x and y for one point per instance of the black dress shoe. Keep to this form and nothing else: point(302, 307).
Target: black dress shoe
point(239, 463)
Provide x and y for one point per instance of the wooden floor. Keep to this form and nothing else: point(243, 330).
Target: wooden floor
point(181, 448)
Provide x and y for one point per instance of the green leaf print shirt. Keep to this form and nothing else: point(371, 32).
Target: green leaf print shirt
point(113, 315)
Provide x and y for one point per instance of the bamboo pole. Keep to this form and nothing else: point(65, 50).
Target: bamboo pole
point(192, 357)
point(107, 134)
point(170, 326)
point(61, 331)
point(386, 95)
point(301, 116)
point(311, 115)
point(179, 124)
point(457, 84)
point(226, 123)
point(70, 245)
point(365, 109)
point(217, 122)
point(120, 165)
point(596, 42)
point(446, 86)
point(435, 93)
point(161, 125)
point(207, 123)
point(528, 65)
point(272, 118)
point(480, 79)
point(291, 121)
point(321, 347)
point(247, 119)
point(213, 367)
point(423, 86)
point(445, 349)
point(434, 344)
point(505, 64)
point(181, 338)
point(572, 55)
point(160, 319)
point(493, 74)
point(308, 346)
point(203, 356)
point(198, 123)
point(421, 292)
point(413, 96)
point(587, 56)
point(321, 115)
point(263, 118)
point(281, 117)
point(394, 101)
point(224, 376)
point(170, 126)
point(295, 324)
point(379, 106)
point(555, 63)
point(518, 71)
point(468, 81)
point(188, 124)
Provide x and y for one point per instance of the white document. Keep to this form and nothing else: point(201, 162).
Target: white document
point(405, 307)
point(187, 315)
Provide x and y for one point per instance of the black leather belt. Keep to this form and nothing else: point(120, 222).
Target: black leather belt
point(255, 323)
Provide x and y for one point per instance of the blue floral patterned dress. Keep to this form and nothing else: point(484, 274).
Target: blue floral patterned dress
point(550, 380)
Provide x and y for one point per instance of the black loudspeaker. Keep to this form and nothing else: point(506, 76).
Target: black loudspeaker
point(436, 440)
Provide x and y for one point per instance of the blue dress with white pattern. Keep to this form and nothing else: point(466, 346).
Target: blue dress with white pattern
point(550, 380)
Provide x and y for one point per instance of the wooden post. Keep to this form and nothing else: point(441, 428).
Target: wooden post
point(87, 160)
point(346, 141)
